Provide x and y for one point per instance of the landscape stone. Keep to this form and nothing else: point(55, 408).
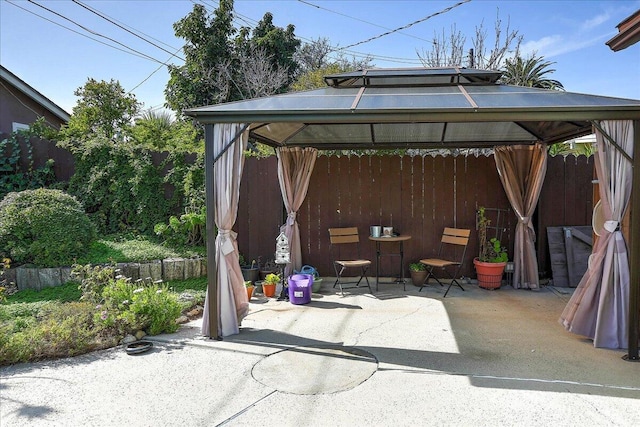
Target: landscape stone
point(27, 278)
point(49, 277)
point(173, 269)
point(151, 270)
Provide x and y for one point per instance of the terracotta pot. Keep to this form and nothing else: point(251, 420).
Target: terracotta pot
point(249, 292)
point(489, 273)
point(269, 289)
point(418, 277)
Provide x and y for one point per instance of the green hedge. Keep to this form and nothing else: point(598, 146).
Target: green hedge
point(48, 228)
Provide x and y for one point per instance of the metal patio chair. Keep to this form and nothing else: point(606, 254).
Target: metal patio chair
point(453, 242)
point(346, 241)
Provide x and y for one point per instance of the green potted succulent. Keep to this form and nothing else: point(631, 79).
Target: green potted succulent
point(492, 257)
point(418, 273)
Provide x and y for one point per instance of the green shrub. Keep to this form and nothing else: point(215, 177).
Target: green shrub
point(92, 281)
point(54, 330)
point(14, 174)
point(47, 228)
point(119, 186)
point(188, 230)
point(127, 307)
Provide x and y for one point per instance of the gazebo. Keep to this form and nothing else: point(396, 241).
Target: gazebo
point(434, 108)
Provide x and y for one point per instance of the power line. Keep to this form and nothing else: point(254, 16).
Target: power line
point(408, 25)
point(360, 20)
point(108, 19)
point(74, 31)
point(252, 25)
point(96, 33)
point(152, 73)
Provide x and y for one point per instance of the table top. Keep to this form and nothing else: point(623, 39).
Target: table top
point(400, 238)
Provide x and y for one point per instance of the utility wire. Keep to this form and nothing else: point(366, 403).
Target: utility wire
point(73, 31)
point(252, 25)
point(108, 19)
point(152, 73)
point(360, 20)
point(96, 33)
point(407, 26)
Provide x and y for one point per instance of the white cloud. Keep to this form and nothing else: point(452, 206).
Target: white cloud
point(595, 21)
point(557, 44)
point(541, 46)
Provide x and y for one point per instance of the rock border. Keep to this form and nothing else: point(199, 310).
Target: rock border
point(165, 270)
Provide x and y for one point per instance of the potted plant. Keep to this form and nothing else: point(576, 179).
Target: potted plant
point(249, 286)
point(269, 284)
point(492, 257)
point(249, 272)
point(418, 273)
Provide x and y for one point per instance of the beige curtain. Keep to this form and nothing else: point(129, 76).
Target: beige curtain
point(522, 169)
point(599, 306)
point(295, 166)
point(233, 304)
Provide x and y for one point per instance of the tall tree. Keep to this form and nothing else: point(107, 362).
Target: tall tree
point(208, 52)
point(315, 62)
point(277, 43)
point(448, 50)
point(529, 72)
point(103, 109)
point(223, 63)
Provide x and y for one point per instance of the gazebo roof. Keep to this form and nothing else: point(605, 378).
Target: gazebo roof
point(418, 108)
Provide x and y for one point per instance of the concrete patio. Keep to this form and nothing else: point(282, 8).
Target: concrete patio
point(398, 357)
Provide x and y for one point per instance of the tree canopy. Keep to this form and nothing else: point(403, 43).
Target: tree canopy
point(103, 109)
point(224, 63)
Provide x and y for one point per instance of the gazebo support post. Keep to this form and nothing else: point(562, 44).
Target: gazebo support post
point(634, 257)
point(212, 273)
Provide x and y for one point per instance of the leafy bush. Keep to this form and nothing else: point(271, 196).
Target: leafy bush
point(92, 281)
point(119, 186)
point(16, 176)
point(128, 307)
point(124, 307)
point(48, 228)
point(189, 229)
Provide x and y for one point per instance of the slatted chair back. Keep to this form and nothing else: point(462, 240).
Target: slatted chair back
point(344, 260)
point(447, 261)
point(455, 236)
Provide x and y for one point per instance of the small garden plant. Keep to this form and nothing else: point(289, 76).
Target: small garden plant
point(417, 266)
point(490, 250)
point(272, 278)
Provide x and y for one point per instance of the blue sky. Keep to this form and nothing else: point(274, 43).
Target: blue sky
point(56, 61)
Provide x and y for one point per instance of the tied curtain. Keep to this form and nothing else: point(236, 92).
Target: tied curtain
point(233, 304)
point(522, 169)
point(598, 308)
point(295, 166)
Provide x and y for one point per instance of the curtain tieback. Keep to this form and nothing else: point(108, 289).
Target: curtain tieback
point(611, 226)
point(291, 218)
point(227, 237)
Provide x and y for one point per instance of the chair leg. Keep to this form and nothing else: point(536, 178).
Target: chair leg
point(426, 281)
point(453, 280)
point(356, 285)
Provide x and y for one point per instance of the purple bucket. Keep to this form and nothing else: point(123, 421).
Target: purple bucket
point(300, 288)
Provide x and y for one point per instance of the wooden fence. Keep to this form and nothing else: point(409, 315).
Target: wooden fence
point(417, 196)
